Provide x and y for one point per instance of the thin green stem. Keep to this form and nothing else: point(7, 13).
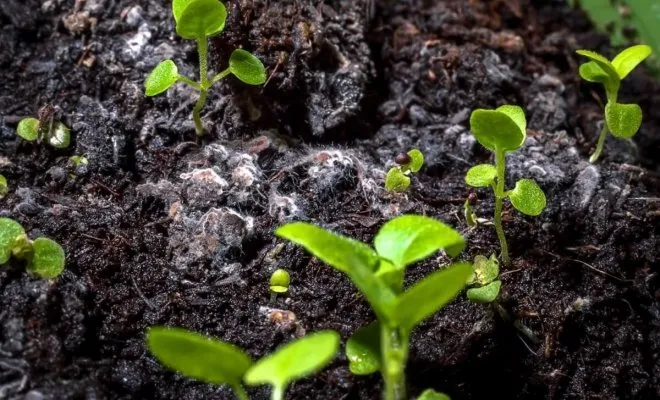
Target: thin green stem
point(199, 128)
point(499, 198)
point(219, 76)
point(394, 348)
point(601, 143)
point(241, 394)
point(202, 49)
point(278, 393)
point(190, 82)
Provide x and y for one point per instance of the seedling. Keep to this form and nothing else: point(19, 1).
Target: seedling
point(44, 257)
point(279, 283)
point(199, 20)
point(484, 279)
point(378, 273)
point(622, 120)
point(3, 187)
point(503, 130)
point(430, 394)
point(56, 134)
point(398, 177)
point(470, 216)
point(217, 362)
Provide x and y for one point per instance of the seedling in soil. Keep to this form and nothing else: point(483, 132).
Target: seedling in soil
point(3, 187)
point(279, 283)
point(484, 280)
point(378, 273)
point(470, 216)
point(217, 362)
point(56, 134)
point(79, 164)
point(503, 130)
point(44, 257)
point(199, 20)
point(622, 120)
point(398, 177)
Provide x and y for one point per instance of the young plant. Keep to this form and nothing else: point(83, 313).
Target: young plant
point(198, 20)
point(217, 362)
point(3, 187)
point(45, 258)
point(378, 273)
point(398, 179)
point(484, 279)
point(279, 283)
point(622, 120)
point(56, 134)
point(503, 130)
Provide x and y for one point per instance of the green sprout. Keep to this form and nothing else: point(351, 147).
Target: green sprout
point(3, 187)
point(397, 179)
point(198, 20)
point(430, 394)
point(503, 130)
point(45, 258)
point(56, 134)
point(217, 362)
point(279, 283)
point(484, 278)
point(622, 120)
point(379, 273)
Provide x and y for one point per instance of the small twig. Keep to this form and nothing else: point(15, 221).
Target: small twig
point(139, 292)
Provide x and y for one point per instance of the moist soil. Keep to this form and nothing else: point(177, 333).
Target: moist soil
point(163, 228)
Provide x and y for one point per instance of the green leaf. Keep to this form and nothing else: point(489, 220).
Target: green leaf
point(496, 130)
point(396, 180)
point(197, 356)
point(485, 294)
point(591, 72)
point(279, 281)
point(376, 290)
point(47, 260)
point(363, 350)
point(28, 129)
point(410, 238)
point(201, 18)
point(527, 197)
point(630, 58)
point(247, 67)
point(481, 175)
point(9, 231)
point(602, 62)
point(416, 160)
point(178, 6)
point(295, 360)
point(328, 247)
point(430, 394)
point(623, 120)
point(60, 137)
point(485, 270)
point(428, 296)
point(161, 78)
point(517, 114)
point(3, 187)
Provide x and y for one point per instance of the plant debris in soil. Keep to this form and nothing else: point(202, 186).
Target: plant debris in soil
point(160, 229)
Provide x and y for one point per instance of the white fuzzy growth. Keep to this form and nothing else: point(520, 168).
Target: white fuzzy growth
point(205, 176)
point(325, 160)
point(282, 207)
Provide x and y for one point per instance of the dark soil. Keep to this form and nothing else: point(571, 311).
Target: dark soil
point(161, 228)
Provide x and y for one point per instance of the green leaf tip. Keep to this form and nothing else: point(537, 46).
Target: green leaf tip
point(396, 180)
point(626, 61)
point(247, 67)
point(3, 187)
point(9, 231)
point(527, 197)
point(501, 129)
point(416, 160)
point(295, 360)
point(47, 260)
point(197, 356)
point(199, 19)
point(485, 294)
point(623, 120)
point(430, 394)
point(28, 129)
point(410, 238)
point(363, 350)
point(161, 78)
point(481, 175)
point(279, 281)
point(60, 137)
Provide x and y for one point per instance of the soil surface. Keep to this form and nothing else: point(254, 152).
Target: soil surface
point(164, 229)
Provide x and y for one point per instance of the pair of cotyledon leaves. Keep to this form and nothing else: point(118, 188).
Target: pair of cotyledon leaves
point(502, 130)
point(399, 243)
point(623, 120)
point(197, 20)
point(397, 179)
point(218, 362)
point(30, 128)
point(46, 258)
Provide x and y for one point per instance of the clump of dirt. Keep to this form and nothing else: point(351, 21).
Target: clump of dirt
point(163, 230)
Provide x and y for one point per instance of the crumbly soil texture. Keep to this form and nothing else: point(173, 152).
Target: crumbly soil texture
point(163, 228)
